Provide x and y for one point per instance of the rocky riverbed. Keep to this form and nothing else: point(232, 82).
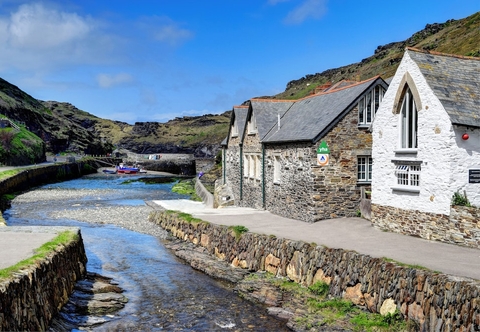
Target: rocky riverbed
point(91, 205)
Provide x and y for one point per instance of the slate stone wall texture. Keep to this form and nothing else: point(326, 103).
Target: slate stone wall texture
point(461, 227)
point(33, 296)
point(310, 192)
point(306, 191)
point(437, 302)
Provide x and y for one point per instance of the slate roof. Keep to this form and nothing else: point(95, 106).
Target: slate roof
point(241, 117)
point(310, 118)
point(455, 80)
point(266, 113)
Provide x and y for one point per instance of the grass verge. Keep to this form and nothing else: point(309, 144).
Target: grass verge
point(40, 253)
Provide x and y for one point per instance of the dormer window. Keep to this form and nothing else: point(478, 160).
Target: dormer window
point(234, 129)
point(368, 105)
point(252, 125)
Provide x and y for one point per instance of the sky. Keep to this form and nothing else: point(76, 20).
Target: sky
point(154, 60)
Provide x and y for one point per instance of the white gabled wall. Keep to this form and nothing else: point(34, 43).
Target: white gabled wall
point(435, 148)
point(467, 157)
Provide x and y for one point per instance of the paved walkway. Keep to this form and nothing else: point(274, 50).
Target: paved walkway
point(346, 233)
point(18, 243)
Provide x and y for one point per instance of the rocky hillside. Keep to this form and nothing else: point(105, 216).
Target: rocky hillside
point(63, 127)
point(460, 37)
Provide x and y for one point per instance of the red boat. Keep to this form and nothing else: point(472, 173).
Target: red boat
point(127, 170)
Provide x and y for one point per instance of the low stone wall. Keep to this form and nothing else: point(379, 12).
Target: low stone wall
point(203, 193)
point(462, 227)
point(437, 302)
point(35, 176)
point(34, 295)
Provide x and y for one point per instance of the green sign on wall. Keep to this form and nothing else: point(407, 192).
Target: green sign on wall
point(323, 154)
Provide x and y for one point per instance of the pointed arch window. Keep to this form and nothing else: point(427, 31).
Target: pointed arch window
point(408, 121)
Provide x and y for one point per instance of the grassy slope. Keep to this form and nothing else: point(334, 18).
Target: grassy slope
point(459, 37)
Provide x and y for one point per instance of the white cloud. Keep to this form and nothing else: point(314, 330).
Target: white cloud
point(308, 9)
point(35, 27)
point(36, 37)
point(108, 81)
point(172, 35)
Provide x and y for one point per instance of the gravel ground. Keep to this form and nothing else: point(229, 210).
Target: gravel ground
point(73, 206)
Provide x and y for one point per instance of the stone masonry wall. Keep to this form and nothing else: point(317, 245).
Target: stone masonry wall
point(32, 177)
point(310, 192)
point(436, 301)
point(252, 187)
point(33, 296)
point(292, 196)
point(462, 227)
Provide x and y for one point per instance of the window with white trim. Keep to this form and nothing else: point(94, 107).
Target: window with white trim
point(251, 168)
point(245, 166)
point(276, 169)
point(234, 129)
point(258, 167)
point(408, 175)
point(364, 169)
point(408, 122)
point(368, 105)
point(252, 125)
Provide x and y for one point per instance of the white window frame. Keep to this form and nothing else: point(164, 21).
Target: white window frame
point(251, 168)
point(407, 177)
point(252, 125)
point(277, 174)
point(364, 175)
point(235, 129)
point(245, 166)
point(408, 122)
point(258, 167)
point(368, 105)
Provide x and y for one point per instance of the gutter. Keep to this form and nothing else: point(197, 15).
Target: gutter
point(224, 165)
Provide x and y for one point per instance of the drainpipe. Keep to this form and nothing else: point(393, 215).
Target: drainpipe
point(241, 172)
point(263, 176)
point(224, 165)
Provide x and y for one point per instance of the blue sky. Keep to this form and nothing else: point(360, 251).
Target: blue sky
point(156, 60)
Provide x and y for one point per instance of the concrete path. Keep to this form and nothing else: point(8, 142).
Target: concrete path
point(346, 233)
point(18, 243)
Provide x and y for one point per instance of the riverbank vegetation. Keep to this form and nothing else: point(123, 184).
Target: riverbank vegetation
point(315, 310)
point(186, 187)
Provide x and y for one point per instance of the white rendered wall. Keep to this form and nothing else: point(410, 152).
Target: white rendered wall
point(436, 149)
point(467, 157)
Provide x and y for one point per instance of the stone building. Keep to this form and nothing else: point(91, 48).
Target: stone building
point(426, 148)
point(306, 159)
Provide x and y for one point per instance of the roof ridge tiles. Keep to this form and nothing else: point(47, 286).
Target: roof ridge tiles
point(317, 94)
point(414, 49)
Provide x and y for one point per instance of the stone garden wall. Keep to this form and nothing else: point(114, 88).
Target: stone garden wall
point(437, 302)
point(34, 295)
point(36, 176)
point(462, 227)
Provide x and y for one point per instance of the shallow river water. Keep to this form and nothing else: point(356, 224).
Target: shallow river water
point(164, 293)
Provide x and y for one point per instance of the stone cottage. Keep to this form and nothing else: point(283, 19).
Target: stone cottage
point(306, 159)
point(426, 148)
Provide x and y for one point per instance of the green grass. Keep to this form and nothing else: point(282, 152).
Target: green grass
point(185, 217)
point(411, 266)
point(186, 187)
point(10, 173)
point(238, 231)
point(40, 253)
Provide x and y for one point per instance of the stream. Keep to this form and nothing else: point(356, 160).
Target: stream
point(164, 293)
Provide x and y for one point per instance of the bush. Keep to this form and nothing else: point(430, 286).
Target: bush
point(459, 199)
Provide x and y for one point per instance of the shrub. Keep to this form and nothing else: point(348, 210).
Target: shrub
point(459, 199)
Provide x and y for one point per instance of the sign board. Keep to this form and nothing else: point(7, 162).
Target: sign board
point(474, 176)
point(323, 154)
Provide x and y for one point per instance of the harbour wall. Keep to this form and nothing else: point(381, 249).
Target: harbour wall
point(437, 302)
point(41, 174)
point(32, 296)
